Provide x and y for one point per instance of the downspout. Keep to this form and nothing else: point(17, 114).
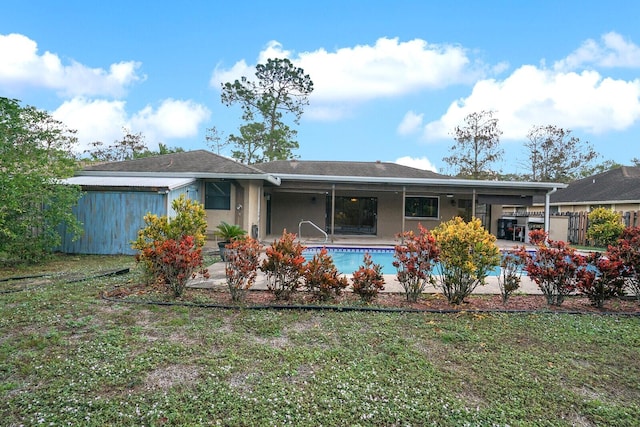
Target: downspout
point(404, 205)
point(473, 205)
point(333, 211)
point(260, 196)
point(547, 199)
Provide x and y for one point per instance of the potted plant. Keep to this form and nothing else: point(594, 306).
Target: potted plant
point(227, 232)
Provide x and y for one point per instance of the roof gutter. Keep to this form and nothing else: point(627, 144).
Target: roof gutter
point(547, 199)
point(442, 182)
point(206, 175)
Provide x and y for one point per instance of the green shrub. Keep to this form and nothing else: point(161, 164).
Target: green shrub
point(605, 227)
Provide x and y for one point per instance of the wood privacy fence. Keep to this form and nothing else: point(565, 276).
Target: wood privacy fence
point(579, 222)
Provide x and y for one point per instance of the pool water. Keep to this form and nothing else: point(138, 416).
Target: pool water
point(348, 260)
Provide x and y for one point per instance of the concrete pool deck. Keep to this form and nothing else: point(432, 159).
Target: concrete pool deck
point(217, 278)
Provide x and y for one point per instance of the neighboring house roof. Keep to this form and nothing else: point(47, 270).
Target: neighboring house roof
point(620, 185)
point(193, 164)
point(129, 182)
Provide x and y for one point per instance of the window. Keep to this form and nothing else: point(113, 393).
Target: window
point(421, 207)
point(217, 195)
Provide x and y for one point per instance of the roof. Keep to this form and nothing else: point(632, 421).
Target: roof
point(616, 185)
point(346, 169)
point(129, 182)
point(389, 173)
point(204, 164)
point(193, 164)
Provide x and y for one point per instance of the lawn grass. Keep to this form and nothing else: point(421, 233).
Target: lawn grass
point(69, 357)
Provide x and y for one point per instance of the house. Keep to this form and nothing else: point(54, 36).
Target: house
point(315, 198)
point(616, 189)
point(117, 195)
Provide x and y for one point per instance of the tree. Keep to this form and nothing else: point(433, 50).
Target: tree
point(607, 165)
point(555, 155)
point(214, 139)
point(129, 147)
point(35, 154)
point(280, 88)
point(635, 161)
point(476, 147)
point(162, 149)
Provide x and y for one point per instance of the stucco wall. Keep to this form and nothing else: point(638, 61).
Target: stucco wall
point(288, 209)
point(216, 216)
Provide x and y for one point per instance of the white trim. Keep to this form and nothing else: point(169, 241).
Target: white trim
point(245, 176)
point(440, 182)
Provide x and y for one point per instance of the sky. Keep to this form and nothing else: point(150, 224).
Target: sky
point(392, 79)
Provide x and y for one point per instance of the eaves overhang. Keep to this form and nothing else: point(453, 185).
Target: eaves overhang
point(197, 175)
point(439, 182)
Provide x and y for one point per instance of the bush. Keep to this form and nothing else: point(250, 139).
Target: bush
point(368, 281)
point(322, 278)
point(510, 273)
point(603, 280)
point(605, 227)
point(175, 262)
point(467, 254)
point(284, 266)
point(554, 267)
point(189, 220)
point(241, 269)
point(627, 252)
point(415, 259)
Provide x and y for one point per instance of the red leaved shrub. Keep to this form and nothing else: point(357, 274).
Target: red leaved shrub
point(174, 262)
point(322, 278)
point(368, 280)
point(415, 259)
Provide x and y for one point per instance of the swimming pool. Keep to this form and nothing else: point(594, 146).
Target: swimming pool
point(349, 259)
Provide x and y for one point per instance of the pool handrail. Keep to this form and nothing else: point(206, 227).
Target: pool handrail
point(326, 236)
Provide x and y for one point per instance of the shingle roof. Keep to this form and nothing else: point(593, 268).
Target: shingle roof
point(614, 185)
point(346, 169)
point(197, 161)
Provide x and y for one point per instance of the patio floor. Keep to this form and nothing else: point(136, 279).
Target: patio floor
point(217, 279)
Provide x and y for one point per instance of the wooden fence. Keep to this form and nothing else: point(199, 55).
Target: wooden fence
point(579, 222)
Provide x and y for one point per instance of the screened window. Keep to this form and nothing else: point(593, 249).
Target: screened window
point(421, 207)
point(217, 195)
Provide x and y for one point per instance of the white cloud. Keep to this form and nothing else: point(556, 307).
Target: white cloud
point(21, 66)
point(172, 119)
point(612, 51)
point(103, 120)
point(533, 96)
point(417, 162)
point(95, 120)
point(350, 75)
point(411, 123)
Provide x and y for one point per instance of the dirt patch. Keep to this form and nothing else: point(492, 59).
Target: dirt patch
point(170, 376)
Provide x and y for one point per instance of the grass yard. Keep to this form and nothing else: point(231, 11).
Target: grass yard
point(69, 358)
